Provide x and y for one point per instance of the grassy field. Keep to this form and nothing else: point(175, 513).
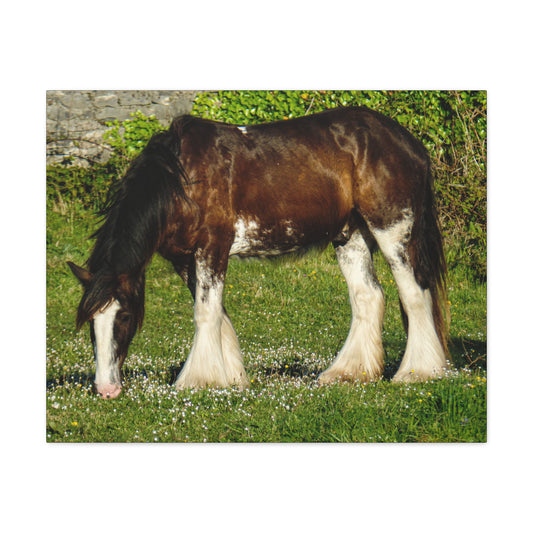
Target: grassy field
point(291, 319)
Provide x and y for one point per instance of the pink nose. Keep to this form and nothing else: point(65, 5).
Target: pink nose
point(108, 391)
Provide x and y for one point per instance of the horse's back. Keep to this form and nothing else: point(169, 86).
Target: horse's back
point(290, 183)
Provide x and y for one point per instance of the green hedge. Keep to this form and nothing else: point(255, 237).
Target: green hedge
point(67, 182)
point(451, 124)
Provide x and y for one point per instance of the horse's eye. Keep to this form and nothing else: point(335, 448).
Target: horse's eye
point(123, 318)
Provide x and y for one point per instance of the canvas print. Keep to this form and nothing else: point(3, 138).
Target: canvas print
point(266, 266)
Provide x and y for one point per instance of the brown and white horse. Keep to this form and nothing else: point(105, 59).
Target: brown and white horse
point(203, 191)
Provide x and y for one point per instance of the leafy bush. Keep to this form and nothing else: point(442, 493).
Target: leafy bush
point(127, 139)
point(451, 124)
point(67, 182)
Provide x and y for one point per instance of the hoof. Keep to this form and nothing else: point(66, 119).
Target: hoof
point(195, 382)
point(413, 376)
point(331, 376)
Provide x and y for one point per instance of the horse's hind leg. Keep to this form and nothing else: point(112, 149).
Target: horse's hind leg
point(424, 356)
point(361, 357)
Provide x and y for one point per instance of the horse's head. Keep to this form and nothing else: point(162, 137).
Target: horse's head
point(114, 308)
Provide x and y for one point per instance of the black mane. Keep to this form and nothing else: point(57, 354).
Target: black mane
point(139, 208)
point(134, 221)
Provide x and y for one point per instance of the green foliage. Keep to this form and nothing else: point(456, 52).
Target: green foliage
point(256, 107)
point(127, 139)
point(67, 183)
point(89, 186)
point(451, 124)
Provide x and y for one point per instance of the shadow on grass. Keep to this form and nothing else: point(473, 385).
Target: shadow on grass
point(173, 371)
point(291, 370)
point(83, 378)
point(467, 353)
point(295, 370)
point(87, 378)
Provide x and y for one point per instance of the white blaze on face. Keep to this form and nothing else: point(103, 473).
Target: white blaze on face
point(107, 371)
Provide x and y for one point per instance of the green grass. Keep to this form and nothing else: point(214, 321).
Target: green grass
point(291, 319)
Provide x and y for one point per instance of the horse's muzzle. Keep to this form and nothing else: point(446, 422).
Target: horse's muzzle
point(108, 391)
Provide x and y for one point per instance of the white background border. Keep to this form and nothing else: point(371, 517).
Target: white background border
point(284, 45)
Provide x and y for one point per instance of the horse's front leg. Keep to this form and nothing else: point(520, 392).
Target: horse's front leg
point(215, 359)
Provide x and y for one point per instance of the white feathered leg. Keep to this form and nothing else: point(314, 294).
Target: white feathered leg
point(205, 364)
point(424, 357)
point(361, 357)
point(215, 358)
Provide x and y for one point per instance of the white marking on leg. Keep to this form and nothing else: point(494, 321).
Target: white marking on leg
point(105, 347)
point(393, 239)
point(361, 357)
point(205, 364)
point(243, 130)
point(424, 356)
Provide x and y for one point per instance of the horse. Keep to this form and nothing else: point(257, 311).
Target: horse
point(203, 191)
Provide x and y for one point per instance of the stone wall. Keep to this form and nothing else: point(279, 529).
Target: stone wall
point(75, 120)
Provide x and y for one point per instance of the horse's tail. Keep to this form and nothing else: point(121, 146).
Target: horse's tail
point(426, 252)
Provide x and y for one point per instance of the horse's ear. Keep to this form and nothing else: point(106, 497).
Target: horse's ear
point(84, 276)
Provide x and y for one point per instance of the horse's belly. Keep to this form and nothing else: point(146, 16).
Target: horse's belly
point(253, 239)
